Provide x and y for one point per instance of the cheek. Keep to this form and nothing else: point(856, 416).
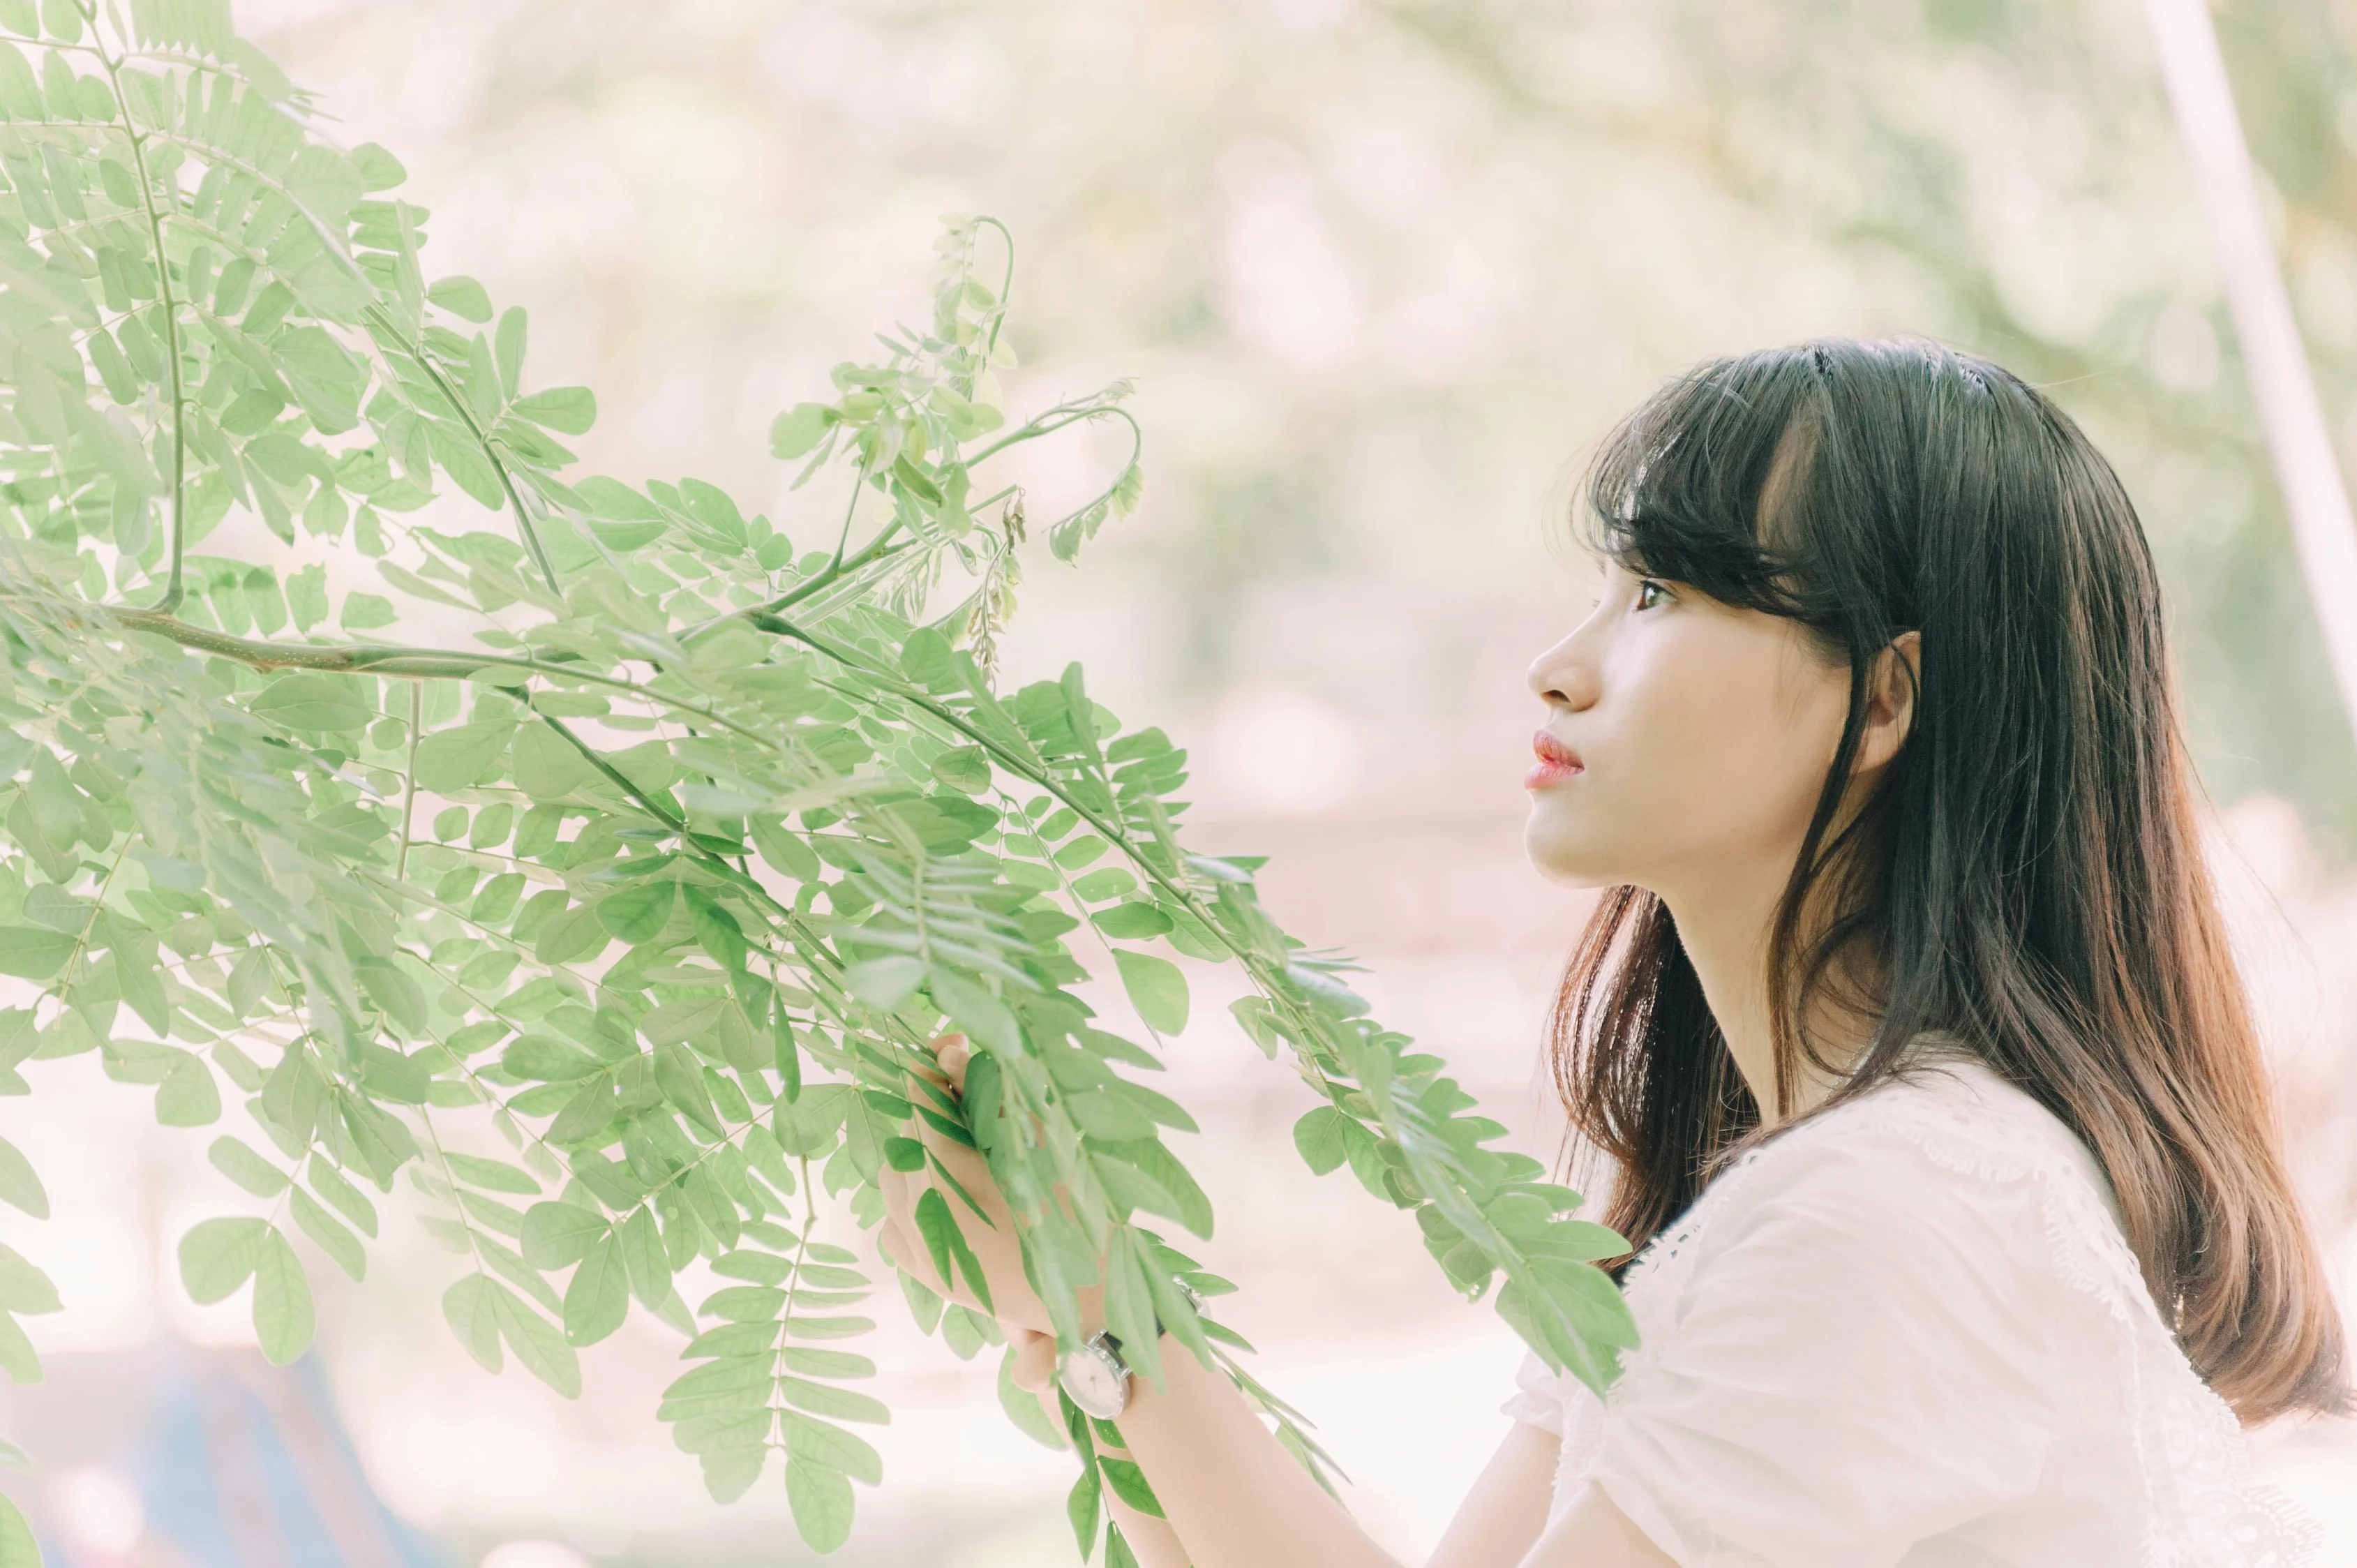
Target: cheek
point(1740, 745)
point(1708, 745)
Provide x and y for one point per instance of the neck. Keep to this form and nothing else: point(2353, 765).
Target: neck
point(1725, 921)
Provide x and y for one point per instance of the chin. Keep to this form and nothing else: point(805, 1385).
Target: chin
point(1560, 853)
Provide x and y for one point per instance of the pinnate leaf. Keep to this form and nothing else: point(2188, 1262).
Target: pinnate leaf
point(219, 1255)
point(1157, 989)
point(20, 1185)
point(282, 1318)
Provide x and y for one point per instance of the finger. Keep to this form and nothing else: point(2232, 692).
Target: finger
point(964, 1165)
point(910, 1259)
point(928, 1064)
point(1035, 1359)
point(899, 1202)
point(953, 1052)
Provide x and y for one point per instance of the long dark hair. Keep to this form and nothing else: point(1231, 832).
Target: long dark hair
point(2026, 875)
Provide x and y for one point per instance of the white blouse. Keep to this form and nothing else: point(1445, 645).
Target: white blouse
point(1910, 1334)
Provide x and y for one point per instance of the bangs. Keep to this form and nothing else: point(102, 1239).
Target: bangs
point(1701, 485)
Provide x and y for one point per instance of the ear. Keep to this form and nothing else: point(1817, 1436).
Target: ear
point(1890, 685)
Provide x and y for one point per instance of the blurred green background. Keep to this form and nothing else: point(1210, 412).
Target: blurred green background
point(1381, 271)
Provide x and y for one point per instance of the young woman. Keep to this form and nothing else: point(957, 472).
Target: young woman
point(1908, 1024)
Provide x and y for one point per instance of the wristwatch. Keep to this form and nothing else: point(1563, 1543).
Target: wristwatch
point(1096, 1378)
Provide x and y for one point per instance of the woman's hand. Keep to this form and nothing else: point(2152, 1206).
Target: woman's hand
point(1013, 1302)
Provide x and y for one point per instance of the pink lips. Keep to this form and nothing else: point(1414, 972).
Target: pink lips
point(1557, 762)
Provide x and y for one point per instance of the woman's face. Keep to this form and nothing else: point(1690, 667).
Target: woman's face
point(1685, 741)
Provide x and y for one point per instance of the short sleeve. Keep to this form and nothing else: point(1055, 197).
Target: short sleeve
point(1861, 1357)
point(1538, 1398)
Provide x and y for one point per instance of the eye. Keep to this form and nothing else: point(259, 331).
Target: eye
point(1650, 593)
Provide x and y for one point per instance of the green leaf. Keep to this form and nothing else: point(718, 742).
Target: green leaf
point(1023, 1408)
point(456, 757)
point(365, 611)
point(546, 764)
point(33, 952)
point(798, 429)
point(246, 1168)
point(1133, 922)
point(822, 1502)
point(1167, 1188)
point(508, 347)
point(492, 1176)
point(17, 1357)
point(598, 1299)
point(469, 1307)
point(283, 1318)
point(313, 703)
point(1084, 1507)
point(395, 995)
point(378, 170)
point(1099, 885)
point(947, 1243)
point(24, 1288)
point(1080, 852)
point(823, 1443)
point(188, 1097)
point(786, 854)
point(679, 1076)
point(306, 596)
point(976, 1011)
point(219, 1255)
point(881, 983)
point(20, 1185)
point(1321, 1137)
point(569, 411)
point(826, 1399)
point(17, 1547)
point(556, 1234)
point(1157, 989)
point(539, 1344)
point(572, 937)
point(643, 1255)
point(675, 1021)
point(965, 769)
point(347, 1200)
point(638, 914)
point(461, 296)
point(63, 19)
point(328, 1232)
point(925, 658)
point(1128, 1484)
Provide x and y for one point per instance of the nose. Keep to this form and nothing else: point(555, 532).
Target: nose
point(1563, 678)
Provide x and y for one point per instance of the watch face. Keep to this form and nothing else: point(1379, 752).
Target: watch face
point(1096, 1384)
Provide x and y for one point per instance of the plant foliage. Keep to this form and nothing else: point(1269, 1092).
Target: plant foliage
point(616, 930)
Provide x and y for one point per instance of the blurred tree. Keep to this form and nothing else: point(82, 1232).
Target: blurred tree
point(1383, 267)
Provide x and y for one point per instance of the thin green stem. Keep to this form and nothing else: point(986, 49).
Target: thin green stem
point(850, 510)
point(1005, 286)
point(97, 905)
point(390, 659)
point(424, 362)
point(409, 776)
point(174, 588)
point(596, 759)
point(1051, 422)
point(450, 1179)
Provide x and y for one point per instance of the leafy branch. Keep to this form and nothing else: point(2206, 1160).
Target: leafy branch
point(622, 931)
